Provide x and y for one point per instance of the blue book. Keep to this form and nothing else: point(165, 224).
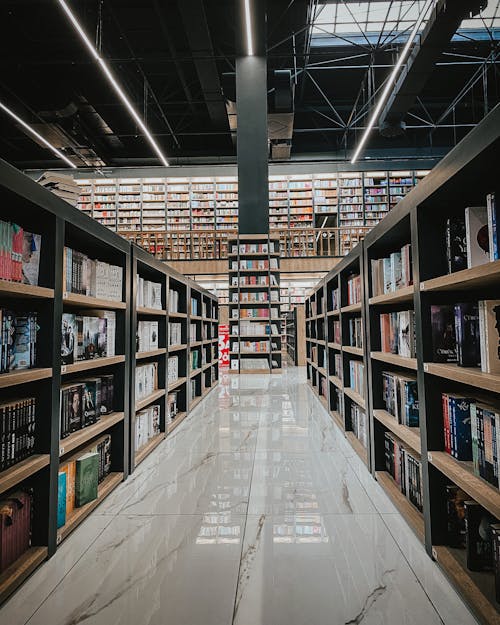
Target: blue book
point(493, 226)
point(460, 422)
point(61, 499)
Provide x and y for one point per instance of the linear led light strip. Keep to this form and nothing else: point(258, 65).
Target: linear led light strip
point(248, 23)
point(107, 72)
point(390, 81)
point(37, 135)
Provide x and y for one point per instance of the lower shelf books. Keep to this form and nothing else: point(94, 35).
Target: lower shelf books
point(357, 375)
point(147, 425)
point(83, 473)
point(175, 334)
point(15, 526)
point(147, 336)
point(397, 333)
point(17, 431)
point(400, 396)
point(172, 405)
point(85, 337)
point(83, 403)
point(146, 380)
point(18, 340)
point(173, 369)
point(405, 468)
point(358, 423)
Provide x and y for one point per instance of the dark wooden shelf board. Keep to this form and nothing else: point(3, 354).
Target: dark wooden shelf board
point(356, 351)
point(486, 275)
point(395, 359)
point(85, 301)
point(22, 470)
point(24, 376)
point(18, 291)
point(142, 403)
point(336, 381)
point(177, 348)
point(151, 354)
point(150, 312)
point(410, 436)
point(355, 396)
point(473, 376)
point(95, 363)
point(352, 308)
point(176, 384)
point(395, 297)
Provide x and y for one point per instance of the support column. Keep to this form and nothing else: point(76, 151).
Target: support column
point(252, 134)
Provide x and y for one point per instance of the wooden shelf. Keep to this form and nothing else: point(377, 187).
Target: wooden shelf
point(178, 315)
point(477, 589)
point(82, 436)
point(176, 348)
point(178, 419)
point(324, 401)
point(151, 354)
point(23, 377)
point(255, 371)
point(473, 376)
point(79, 514)
point(22, 470)
point(412, 516)
point(195, 372)
point(337, 418)
point(95, 363)
point(195, 344)
point(322, 370)
point(146, 449)
point(410, 436)
point(401, 295)
point(142, 403)
point(333, 313)
point(483, 276)
point(253, 319)
point(150, 312)
point(336, 346)
point(85, 301)
point(357, 351)
point(195, 318)
point(395, 359)
point(18, 291)
point(356, 397)
point(336, 381)
point(20, 570)
point(357, 445)
point(351, 308)
point(176, 384)
point(462, 474)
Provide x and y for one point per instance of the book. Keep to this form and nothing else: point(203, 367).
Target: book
point(489, 330)
point(495, 533)
point(61, 499)
point(91, 401)
point(455, 516)
point(15, 526)
point(478, 543)
point(32, 244)
point(467, 334)
point(444, 342)
point(86, 479)
point(476, 228)
point(68, 339)
point(456, 244)
point(493, 226)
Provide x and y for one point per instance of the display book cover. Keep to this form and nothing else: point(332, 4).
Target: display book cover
point(476, 228)
point(459, 416)
point(87, 478)
point(489, 330)
point(467, 334)
point(456, 244)
point(444, 344)
point(61, 498)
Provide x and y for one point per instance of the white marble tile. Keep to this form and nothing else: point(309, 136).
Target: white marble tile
point(180, 570)
point(326, 570)
point(21, 606)
point(286, 482)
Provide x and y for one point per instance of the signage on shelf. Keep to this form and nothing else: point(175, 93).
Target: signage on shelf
point(223, 347)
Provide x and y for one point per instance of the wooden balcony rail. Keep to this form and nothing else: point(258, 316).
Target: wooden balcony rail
point(213, 244)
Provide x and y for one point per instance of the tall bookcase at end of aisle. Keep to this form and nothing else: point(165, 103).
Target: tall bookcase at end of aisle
point(432, 347)
point(254, 305)
point(66, 377)
point(294, 333)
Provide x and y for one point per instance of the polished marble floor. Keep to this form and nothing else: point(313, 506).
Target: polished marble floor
point(255, 511)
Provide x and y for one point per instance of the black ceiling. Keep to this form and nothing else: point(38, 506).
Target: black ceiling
point(170, 55)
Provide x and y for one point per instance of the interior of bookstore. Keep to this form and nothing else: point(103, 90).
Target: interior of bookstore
point(250, 312)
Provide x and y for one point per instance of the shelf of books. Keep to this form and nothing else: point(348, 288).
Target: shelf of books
point(202, 204)
point(294, 336)
point(376, 196)
point(226, 203)
point(434, 374)
point(154, 201)
point(325, 189)
point(254, 305)
point(278, 202)
point(67, 383)
point(178, 204)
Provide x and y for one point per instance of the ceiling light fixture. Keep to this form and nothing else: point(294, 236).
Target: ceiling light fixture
point(37, 135)
point(248, 24)
point(107, 72)
point(390, 82)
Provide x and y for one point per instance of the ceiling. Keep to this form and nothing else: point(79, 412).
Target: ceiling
point(170, 56)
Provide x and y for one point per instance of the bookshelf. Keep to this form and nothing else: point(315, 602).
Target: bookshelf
point(115, 312)
point(254, 305)
point(420, 219)
point(294, 328)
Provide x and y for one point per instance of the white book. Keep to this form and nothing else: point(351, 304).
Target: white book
point(476, 229)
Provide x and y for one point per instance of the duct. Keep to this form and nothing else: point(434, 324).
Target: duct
point(445, 19)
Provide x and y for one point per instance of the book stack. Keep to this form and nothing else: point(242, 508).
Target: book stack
point(147, 336)
point(393, 272)
point(172, 405)
point(17, 431)
point(146, 380)
point(404, 465)
point(358, 423)
point(172, 369)
point(355, 332)
point(397, 333)
point(400, 395)
point(148, 294)
point(84, 276)
point(15, 526)
point(147, 425)
point(85, 337)
point(84, 402)
point(19, 254)
point(62, 185)
point(357, 375)
point(18, 340)
point(174, 334)
point(353, 290)
point(173, 301)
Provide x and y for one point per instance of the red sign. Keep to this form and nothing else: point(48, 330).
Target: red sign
point(224, 347)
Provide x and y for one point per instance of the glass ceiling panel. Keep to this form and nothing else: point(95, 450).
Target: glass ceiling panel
point(376, 20)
